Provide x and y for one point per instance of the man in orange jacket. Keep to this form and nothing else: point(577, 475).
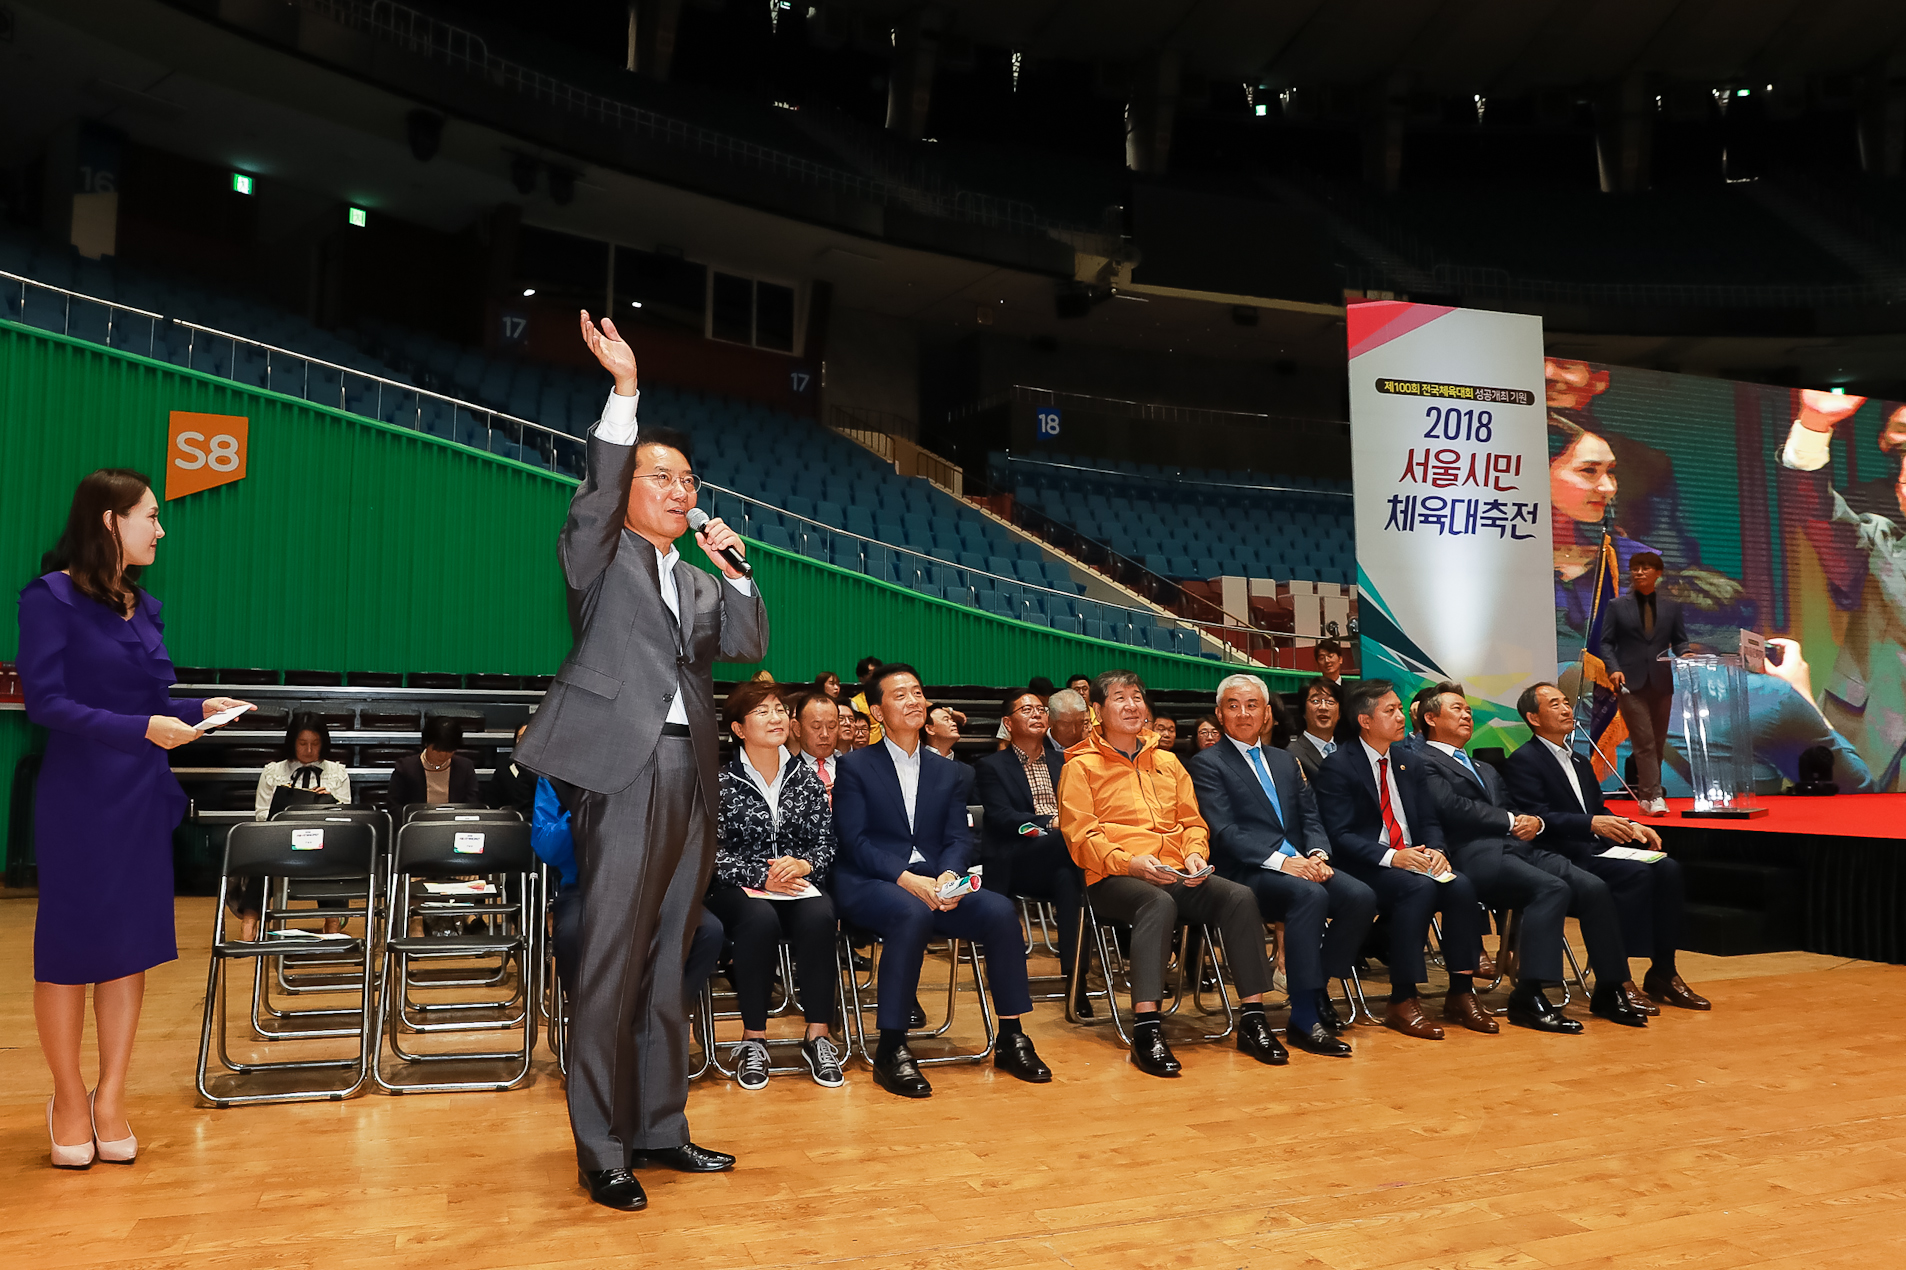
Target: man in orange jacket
point(1130, 820)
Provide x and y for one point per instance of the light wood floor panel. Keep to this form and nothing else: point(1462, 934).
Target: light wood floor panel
point(1767, 1134)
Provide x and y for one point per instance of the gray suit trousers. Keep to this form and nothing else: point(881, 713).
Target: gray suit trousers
point(643, 857)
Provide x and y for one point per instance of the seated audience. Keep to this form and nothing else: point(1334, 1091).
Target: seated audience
point(774, 835)
point(306, 765)
point(863, 668)
point(900, 813)
point(1491, 843)
point(1266, 835)
point(844, 730)
point(550, 839)
point(512, 786)
point(1548, 779)
point(866, 730)
point(1021, 845)
point(1330, 663)
point(817, 723)
point(1209, 732)
point(1081, 684)
point(1317, 741)
point(1130, 819)
point(1167, 729)
point(1377, 809)
point(828, 682)
point(943, 729)
point(1069, 718)
point(437, 775)
point(1039, 685)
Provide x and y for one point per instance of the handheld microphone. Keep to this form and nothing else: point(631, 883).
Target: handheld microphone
point(698, 521)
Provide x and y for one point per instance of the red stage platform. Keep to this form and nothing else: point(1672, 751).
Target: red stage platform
point(1841, 816)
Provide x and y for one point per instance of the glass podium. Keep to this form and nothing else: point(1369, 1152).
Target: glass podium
point(1710, 694)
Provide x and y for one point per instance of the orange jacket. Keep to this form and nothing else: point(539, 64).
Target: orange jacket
point(1112, 808)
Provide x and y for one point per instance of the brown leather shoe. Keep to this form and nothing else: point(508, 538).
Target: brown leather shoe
point(1639, 999)
point(1463, 1008)
point(1408, 1018)
point(1486, 967)
point(1674, 991)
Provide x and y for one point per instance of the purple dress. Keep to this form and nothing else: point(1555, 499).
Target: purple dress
point(107, 801)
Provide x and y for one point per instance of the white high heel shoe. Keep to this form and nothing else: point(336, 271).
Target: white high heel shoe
point(79, 1157)
point(124, 1151)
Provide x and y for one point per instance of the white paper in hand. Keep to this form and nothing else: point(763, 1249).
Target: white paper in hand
point(222, 718)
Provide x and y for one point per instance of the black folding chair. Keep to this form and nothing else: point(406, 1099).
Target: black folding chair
point(462, 862)
point(341, 852)
point(1192, 955)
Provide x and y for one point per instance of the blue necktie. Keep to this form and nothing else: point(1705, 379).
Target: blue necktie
point(1463, 758)
point(1270, 792)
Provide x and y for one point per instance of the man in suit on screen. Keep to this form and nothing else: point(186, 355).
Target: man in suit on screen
point(1640, 627)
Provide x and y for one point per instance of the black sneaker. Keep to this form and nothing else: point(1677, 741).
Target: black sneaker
point(823, 1060)
point(751, 1065)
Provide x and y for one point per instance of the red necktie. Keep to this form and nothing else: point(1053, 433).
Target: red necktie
point(1389, 816)
point(827, 782)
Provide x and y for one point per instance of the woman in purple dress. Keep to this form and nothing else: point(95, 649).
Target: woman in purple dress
point(96, 676)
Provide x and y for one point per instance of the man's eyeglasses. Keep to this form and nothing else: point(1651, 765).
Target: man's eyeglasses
point(1031, 711)
point(663, 482)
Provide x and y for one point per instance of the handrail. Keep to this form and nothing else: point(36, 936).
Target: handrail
point(555, 440)
point(1135, 477)
point(424, 36)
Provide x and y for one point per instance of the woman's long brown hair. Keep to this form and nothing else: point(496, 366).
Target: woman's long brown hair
point(89, 547)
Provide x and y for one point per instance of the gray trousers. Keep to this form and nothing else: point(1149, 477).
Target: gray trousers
point(1645, 711)
point(1155, 913)
point(643, 859)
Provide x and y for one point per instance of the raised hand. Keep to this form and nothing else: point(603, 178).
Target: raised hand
point(608, 347)
point(1820, 411)
point(713, 537)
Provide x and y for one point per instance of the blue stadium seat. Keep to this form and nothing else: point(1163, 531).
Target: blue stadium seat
point(775, 536)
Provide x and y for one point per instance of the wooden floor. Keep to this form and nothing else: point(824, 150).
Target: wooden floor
point(1771, 1132)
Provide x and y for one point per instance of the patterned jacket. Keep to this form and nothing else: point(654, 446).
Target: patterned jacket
point(745, 836)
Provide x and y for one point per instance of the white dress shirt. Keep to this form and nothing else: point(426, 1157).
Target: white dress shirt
point(1567, 759)
point(333, 779)
point(1806, 450)
point(618, 427)
point(1452, 751)
point(907, 767)
point(1326, 746)
point(1396, 800)
point(770, 789)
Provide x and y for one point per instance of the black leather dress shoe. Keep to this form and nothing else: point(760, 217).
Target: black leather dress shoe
point(1328, 1016)
point(687, 1158)
point(1537, 1012)
point(1151, 1055)
point(614, 1188)
point(1256, 1039)
point(1016, 1057)
point(1612, 1005)
point(901, 1075)
point(1317, 1039)
point(916, 1017)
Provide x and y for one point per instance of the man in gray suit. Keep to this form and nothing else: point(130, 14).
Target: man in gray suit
point(627, 735)
point(1640, 626)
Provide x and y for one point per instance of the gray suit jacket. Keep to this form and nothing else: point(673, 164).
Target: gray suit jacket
point(601, 719)
point(1632, 653)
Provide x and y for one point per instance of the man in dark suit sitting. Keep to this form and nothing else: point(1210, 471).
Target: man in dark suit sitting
point(900, 814)
point(1021, 845)
point(1641, 626)
point(1548, 779)
point(1383, 827)
point(1318, 740)
point(1490, 842)
point(1265, 834)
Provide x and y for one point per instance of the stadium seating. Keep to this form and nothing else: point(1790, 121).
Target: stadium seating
point(783, 480)
point(1193, 523)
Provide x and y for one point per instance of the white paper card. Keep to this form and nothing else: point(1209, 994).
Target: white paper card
point(222, 718)
point(468, 844)
point(307, 839)
point(1633, 853)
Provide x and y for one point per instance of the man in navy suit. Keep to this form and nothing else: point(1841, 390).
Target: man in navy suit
point(1382, 825)
point(900, 813)
point(1641, 626)
point(1266, 834)
point(1550, 780)
point(1491, 843)
point(1025, 853)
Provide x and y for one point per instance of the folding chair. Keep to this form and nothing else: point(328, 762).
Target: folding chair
point(336, 852)
point(318, 973)
point(1117, 971)
point(435, 854)
point(852, 936)
point(703, 1028)
point(1509, 922)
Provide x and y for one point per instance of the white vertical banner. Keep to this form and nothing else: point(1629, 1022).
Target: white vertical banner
point(1449, 451)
